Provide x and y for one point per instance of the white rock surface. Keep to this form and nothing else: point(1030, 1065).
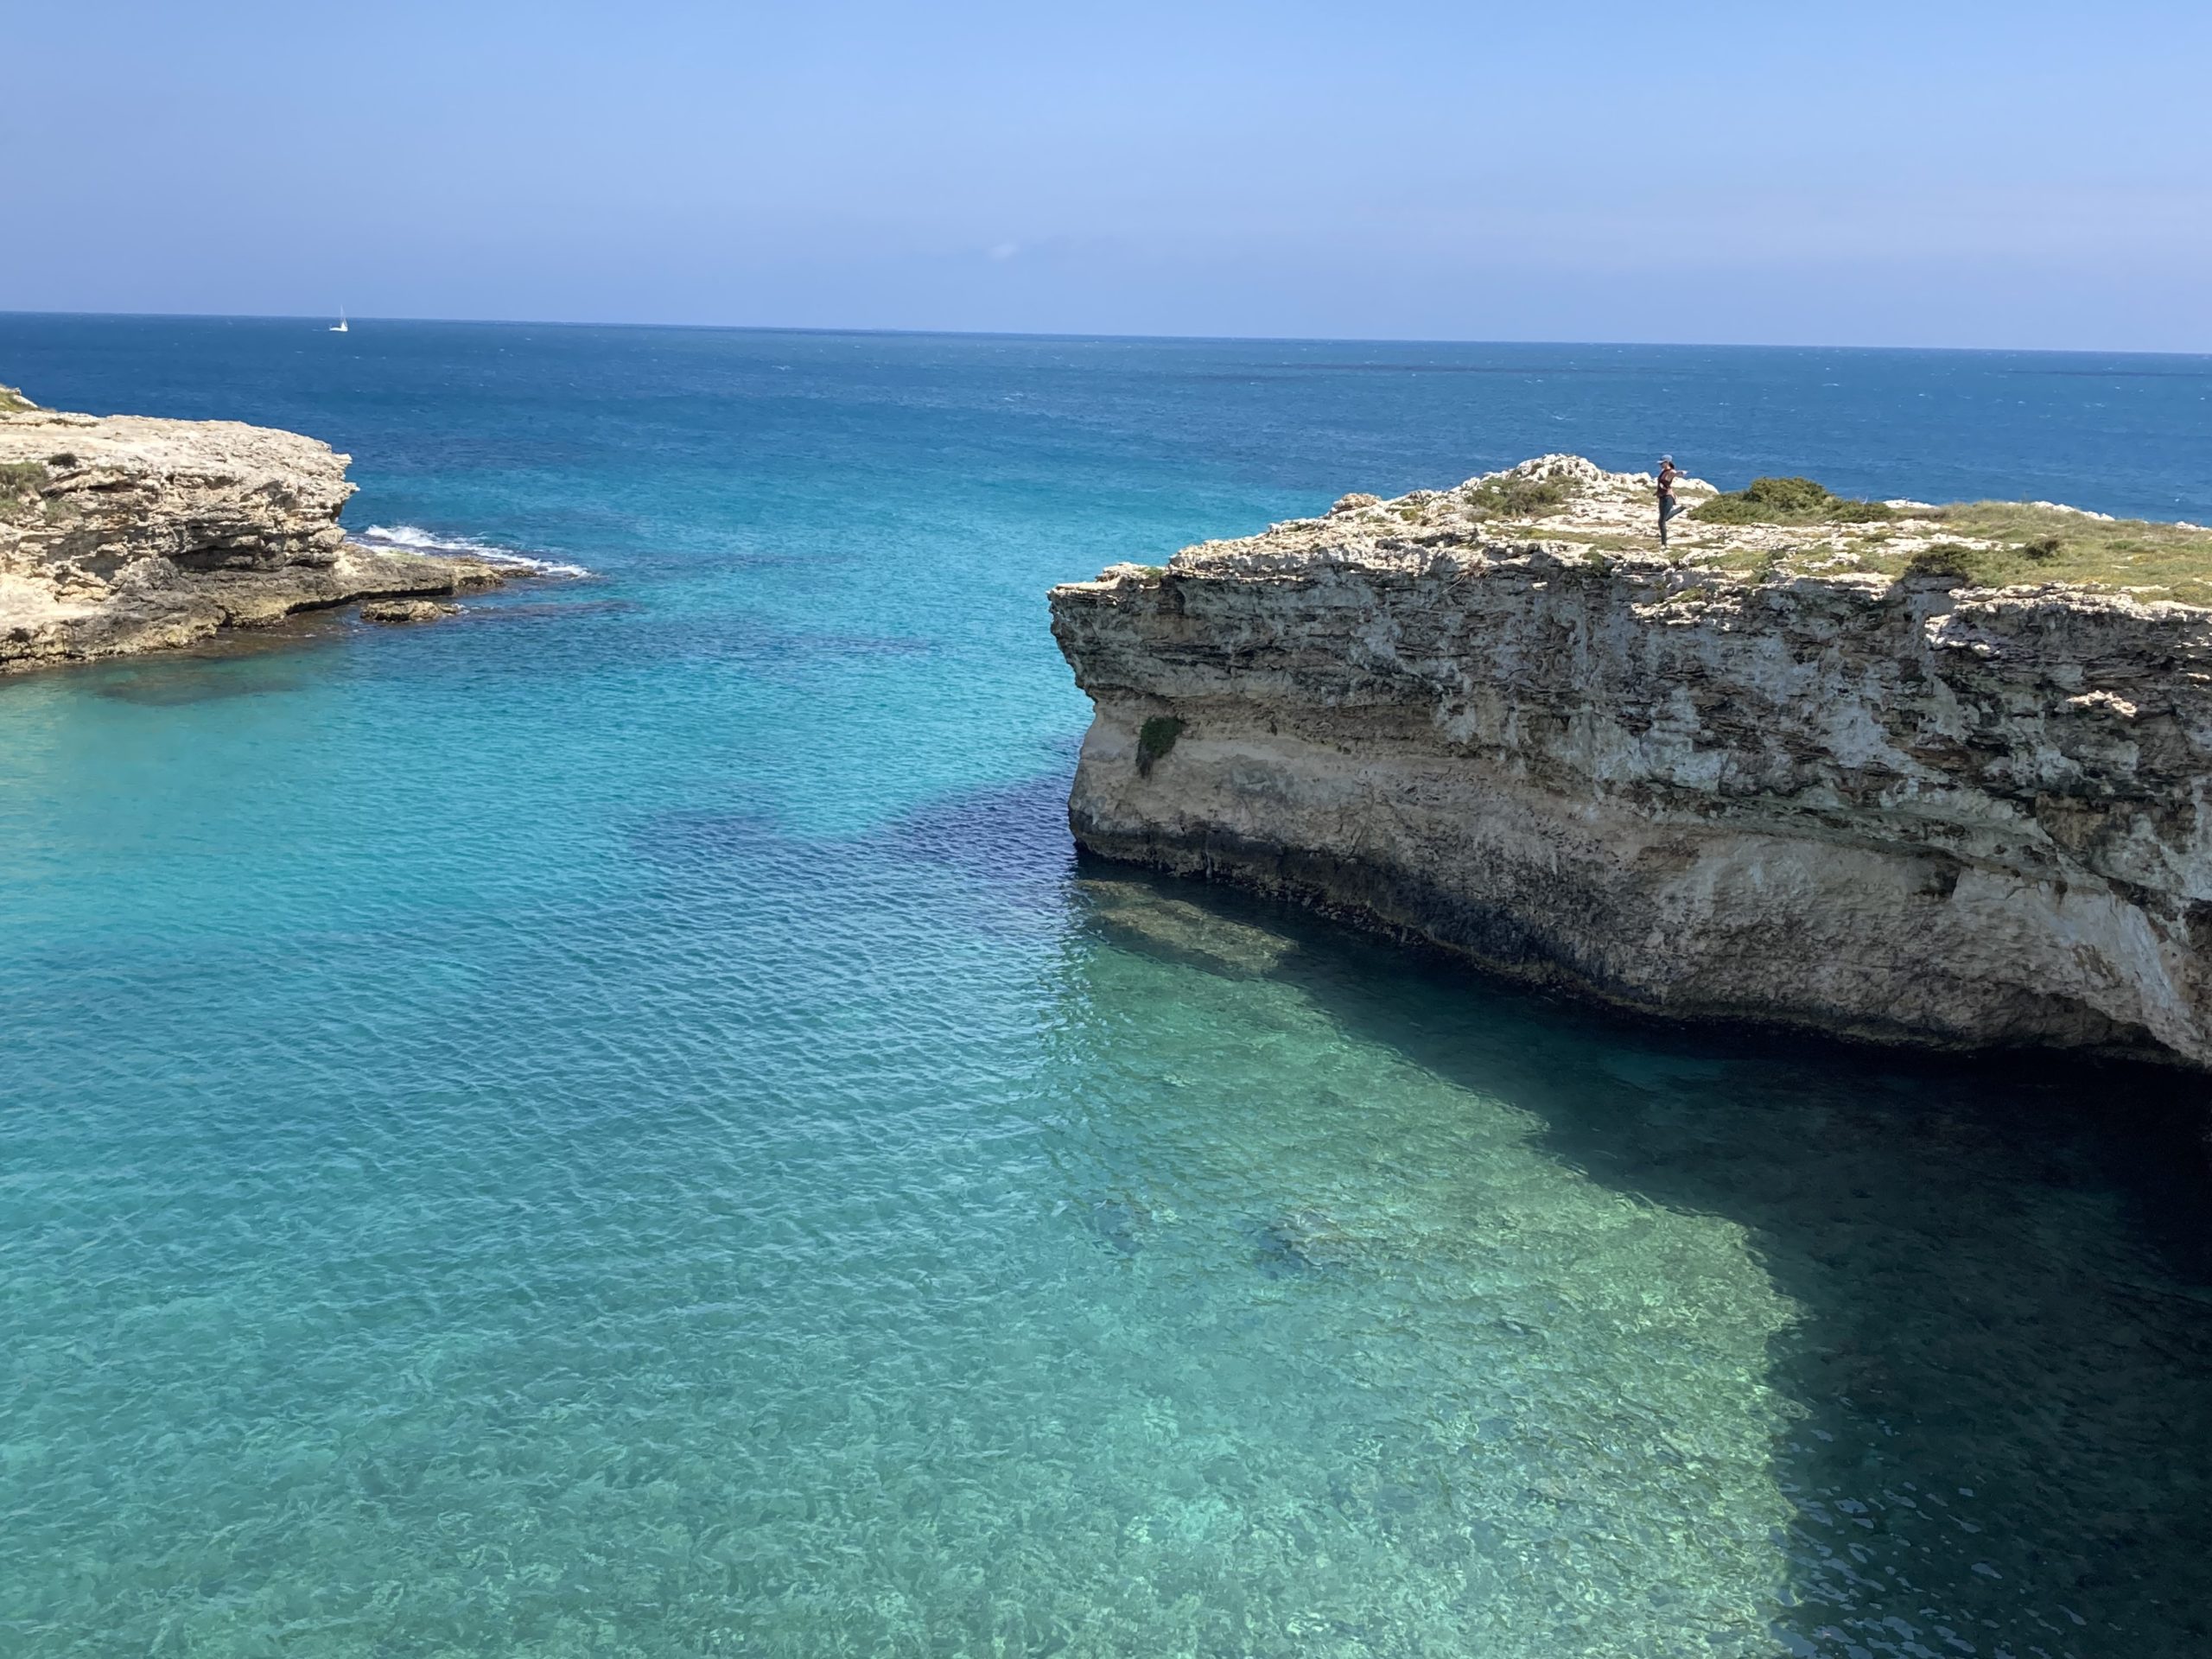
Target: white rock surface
point(1889, 809)
point(123, 534)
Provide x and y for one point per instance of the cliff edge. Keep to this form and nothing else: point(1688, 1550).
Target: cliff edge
point(1881, 769)
point(121, 534)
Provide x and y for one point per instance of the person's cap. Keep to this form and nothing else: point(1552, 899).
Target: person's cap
point(1666, 460)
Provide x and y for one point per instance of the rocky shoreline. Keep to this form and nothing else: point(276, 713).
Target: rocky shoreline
point(1805, 773)
point(125, 534)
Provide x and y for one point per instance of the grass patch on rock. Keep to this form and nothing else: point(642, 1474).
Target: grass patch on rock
point(19, 486)
point(1984, 566)
point(13, 402)
point(1788, 501)
point(2005, 543)
point(1155, 739)
point(1969, 543)
point(2063, 546)
point(1520, 495)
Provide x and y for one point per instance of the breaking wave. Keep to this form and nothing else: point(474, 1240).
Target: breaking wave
point(410, 538)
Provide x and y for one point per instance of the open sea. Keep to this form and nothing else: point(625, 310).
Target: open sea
point(617, 1125)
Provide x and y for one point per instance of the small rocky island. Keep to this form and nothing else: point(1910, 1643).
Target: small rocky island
point(1932, 775)
point(121, 534)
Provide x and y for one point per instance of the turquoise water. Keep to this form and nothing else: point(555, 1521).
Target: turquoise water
point(616, 1125)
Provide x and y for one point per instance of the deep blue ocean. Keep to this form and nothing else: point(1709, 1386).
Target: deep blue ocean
point(617, 1125)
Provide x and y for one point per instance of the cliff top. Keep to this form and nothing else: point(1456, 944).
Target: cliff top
point(1776, 528)
point(124, 533)
point(48, 446)
point(63, 476)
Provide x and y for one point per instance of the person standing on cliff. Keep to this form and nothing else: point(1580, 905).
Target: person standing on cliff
point(1667, 505)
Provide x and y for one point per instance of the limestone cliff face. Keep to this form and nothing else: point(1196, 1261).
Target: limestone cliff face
point(1891, 808)
point(124, 534)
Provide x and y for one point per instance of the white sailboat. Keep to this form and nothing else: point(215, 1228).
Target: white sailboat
point(338, 326)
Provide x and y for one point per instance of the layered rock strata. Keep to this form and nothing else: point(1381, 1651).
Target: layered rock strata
point(121, 534)
point(1890, 806)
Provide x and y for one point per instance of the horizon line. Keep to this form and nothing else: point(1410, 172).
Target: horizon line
point(1068, 335)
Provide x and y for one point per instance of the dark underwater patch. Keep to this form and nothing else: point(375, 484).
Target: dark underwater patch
point(174, 679)
point(1118, 1224)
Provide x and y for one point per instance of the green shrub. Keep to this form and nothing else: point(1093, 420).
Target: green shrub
point(13, 402)
point(1154, 738)
point(20, 478)
point(1786, 495)
point(1788, 501)
point(1517, 495)
point(1987, 567)
point(1954, 561)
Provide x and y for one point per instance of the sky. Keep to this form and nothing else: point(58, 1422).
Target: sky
point(2021, 175)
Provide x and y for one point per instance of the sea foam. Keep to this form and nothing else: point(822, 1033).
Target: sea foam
point(412, 539)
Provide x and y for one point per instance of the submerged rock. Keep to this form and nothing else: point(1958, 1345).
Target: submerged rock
point(1118, 1222)
point(123, 534)
point(406, 610)
point(1302, 1243)
point(1793, 773)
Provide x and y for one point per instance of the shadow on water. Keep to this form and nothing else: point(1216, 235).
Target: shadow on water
point(1997, 1371)
point(281, 657)
point(233, 663)
point(2003, 1359)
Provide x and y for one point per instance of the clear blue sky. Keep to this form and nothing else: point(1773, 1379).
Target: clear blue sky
point(1933, 173)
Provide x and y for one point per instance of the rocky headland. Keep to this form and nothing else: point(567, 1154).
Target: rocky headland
point(121, 534)
point(1928, 775)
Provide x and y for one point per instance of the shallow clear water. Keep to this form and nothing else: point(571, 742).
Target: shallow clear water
point(616, 1125)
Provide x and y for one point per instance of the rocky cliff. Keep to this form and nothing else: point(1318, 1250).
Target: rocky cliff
point(123, 534)
point(1802, 772)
